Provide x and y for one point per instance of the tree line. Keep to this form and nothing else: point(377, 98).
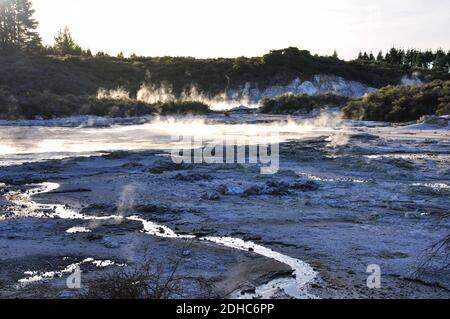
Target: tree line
point(18, 32)
point(411, 58)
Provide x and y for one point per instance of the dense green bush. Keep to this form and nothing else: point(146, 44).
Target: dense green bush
point(401, 103)
point(290, 103)
point(182, 108)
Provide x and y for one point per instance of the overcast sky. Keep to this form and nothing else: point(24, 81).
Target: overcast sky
point(229, 28)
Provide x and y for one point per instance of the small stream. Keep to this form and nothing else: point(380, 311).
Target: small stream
point(294, 286)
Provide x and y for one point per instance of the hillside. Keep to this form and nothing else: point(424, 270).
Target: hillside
point(83, 75)
point(43, 85)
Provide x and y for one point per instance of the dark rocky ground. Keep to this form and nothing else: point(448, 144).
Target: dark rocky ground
point(372, 200)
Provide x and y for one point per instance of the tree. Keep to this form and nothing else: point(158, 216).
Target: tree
point(101, 54)
point(440, 61)
point(335, 55)
point(87, 53)
point(65, 44)
point(380, 57)
point(27, 26)
point(17, 26)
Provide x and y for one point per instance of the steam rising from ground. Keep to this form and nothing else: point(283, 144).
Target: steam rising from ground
point(126, 200)
point(61, 142)
point(338, 139)
point(118, 94)
point(163, 93)
point(194, 125)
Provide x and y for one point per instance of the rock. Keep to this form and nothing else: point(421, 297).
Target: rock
point(364, 137)
point(203, 232)
point(434, 120)
point(151, 208)
point(131, 165)
point(193, 177)
point(213, 196)
point(166, 166)
point(242, 109)
point(117, 155)
point(94, 237)
point(272, 188)
point(111, 245)
point(75, 190)
point(250, 291)
point(309, 186)
point(277, 188)
point(252, 238)
point(253, 191)
point(230, 190)
point(393, 255)
point(186, 253)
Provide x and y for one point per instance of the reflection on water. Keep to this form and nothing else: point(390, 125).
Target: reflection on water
point(19, 144)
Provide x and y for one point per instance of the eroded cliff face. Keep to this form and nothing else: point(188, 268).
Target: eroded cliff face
point(320, 84)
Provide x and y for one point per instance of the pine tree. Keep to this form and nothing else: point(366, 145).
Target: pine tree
point(380, 56)
point(65, 44)
point(7, 23)
point(17, 26)
point(440, 60)
point(87, 53)
point(335, 55)
point(27, 35)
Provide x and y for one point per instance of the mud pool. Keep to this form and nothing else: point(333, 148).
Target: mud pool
point(101, 195)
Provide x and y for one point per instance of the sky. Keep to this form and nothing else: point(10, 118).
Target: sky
point(231, 28)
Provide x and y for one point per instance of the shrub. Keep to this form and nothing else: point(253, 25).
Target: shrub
point(290, 103)
point(401, 103)
point(181, 108)
point(147, 281)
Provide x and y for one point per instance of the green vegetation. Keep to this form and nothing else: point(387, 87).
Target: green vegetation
point(411, 59)
point(65, 44)
point(180, 108)
point(77, 79)
point(64, 79)
point(289, 104)
point(401, 103)
point(49, 105)
point(17, 26)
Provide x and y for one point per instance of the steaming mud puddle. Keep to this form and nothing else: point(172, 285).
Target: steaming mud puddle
point(346, 196)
